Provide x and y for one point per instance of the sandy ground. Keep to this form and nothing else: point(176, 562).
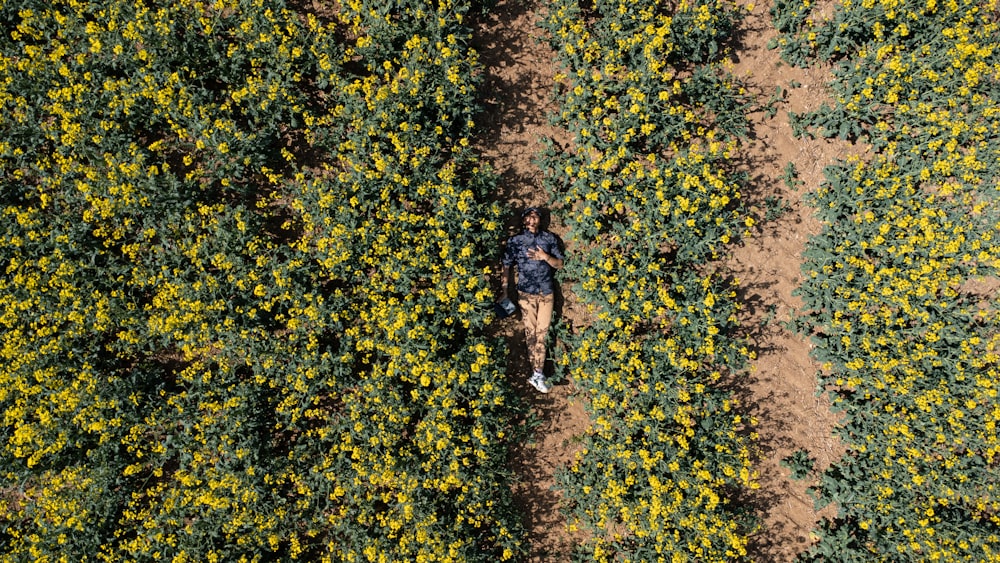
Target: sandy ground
point(782, 385)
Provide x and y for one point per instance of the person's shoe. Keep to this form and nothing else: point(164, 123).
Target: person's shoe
point(537, 381)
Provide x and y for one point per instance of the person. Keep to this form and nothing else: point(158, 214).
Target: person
point(536, 255)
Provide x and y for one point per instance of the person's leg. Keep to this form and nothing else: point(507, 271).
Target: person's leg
point(537, 314)
point(529, 314)
point(543, 318)
point(531, 306)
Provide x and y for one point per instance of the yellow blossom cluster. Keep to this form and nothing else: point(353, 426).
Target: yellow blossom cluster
point(898, 285)
point(649, 194)
point(242, 286)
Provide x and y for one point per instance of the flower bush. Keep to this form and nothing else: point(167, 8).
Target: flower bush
point(242, 286)
point(649, 193)
point(908, 344)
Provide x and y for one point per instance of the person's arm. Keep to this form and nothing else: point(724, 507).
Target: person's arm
point(538, 254)
point(557, 254)
point(551, 260)
point(507, 262)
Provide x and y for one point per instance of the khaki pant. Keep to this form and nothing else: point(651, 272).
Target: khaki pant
point(536, 311)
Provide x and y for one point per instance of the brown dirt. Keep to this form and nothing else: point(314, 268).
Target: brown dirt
point(781, 388)
point(520, 70)
point(782, 385)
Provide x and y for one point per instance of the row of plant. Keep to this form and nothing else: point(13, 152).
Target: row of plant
point(649, 192)
point(242, 286)
point(900, 286)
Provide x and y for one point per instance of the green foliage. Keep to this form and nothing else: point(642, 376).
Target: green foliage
point(799, 463)
point(791, 177)
point(649, 193)
point(701, 28)
point(242, 290)
point(909, 347)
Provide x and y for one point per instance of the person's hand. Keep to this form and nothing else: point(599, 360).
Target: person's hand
point(537, 254)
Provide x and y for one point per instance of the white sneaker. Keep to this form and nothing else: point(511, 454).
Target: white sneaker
point(537, 380)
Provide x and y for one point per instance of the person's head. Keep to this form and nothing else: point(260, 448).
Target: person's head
point(532, 218)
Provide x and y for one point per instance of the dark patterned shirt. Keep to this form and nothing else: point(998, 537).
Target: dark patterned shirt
point(533, 276)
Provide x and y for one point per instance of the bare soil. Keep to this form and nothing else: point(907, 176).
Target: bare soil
point(780, 391)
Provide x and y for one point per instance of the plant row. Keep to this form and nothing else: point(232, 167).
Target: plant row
point(900, 286)
point(649, 192)
point(242, 286)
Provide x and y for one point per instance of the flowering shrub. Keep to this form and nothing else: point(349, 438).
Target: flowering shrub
point(242, 285)
point(909, 347)
point(651, 201)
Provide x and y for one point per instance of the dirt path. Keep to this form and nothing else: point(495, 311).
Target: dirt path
point(520, 71)
point(782, 387)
